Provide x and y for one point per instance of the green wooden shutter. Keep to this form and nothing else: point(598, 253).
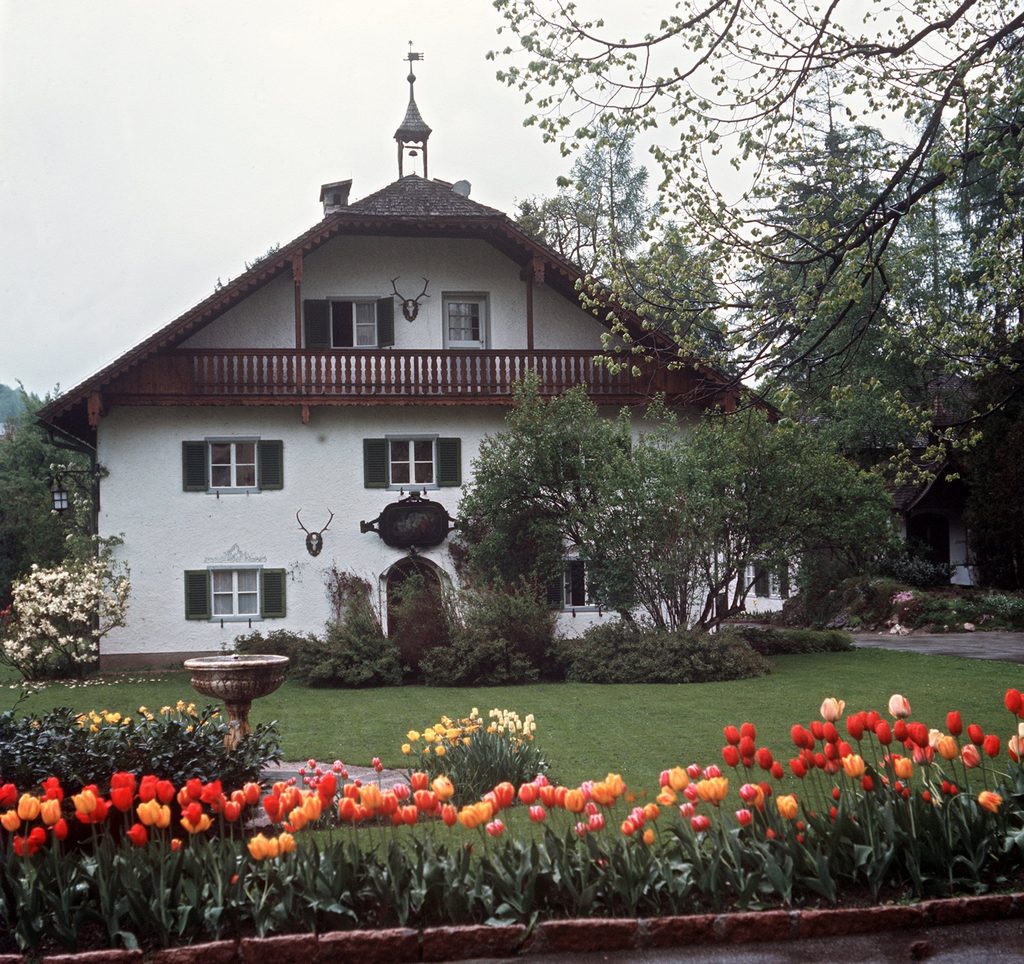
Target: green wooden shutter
point(272, 605)
point(194, 466)
point(375, 463)
point(341, 324)
point(197, 594)
point(449, 461)
point(317, 316)
point(271, 464)
point(385, 322)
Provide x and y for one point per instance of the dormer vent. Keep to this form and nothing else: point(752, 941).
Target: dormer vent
point(462, 187)
point(334, 196)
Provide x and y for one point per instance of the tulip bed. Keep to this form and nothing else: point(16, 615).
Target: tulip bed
point(885, 806)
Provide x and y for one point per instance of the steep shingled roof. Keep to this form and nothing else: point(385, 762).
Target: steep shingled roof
point(414, 197)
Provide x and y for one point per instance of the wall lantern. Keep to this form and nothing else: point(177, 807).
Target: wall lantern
point(59, 496)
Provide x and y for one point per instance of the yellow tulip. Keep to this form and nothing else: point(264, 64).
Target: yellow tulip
point(10, 821)
point(903, 767)
point(258, 847)
point(148, 813)
point(678, 779)
point(946, 747)
point(85, 802)
point(204, 824)
point(443, 787)
point(285, 843)
point(406, 749)
point(439, 750)
point(412, 736)
point(667, 797)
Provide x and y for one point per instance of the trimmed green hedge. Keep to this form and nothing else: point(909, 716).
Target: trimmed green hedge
point(793, 642)
point(622, 653)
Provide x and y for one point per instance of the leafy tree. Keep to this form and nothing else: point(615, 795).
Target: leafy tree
point(11, 404)
point(733, 81)
point(30, 531)
point(600, 213)
point(669, 522)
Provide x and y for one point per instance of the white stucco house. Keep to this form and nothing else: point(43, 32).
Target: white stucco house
point(309, 386)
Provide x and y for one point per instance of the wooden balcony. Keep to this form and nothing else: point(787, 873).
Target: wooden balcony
point(339, 376)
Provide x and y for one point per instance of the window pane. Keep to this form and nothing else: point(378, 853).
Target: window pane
point(220, 475)
point(424, 449)
point(246, 580)
point(222, 580)
point(220, 453)
point(400, 473)
point(400, 450)
point(222, 605)
point(463, 321)
point(245, 475)
point(245, 452)
point(247, 603)
point(424, 473)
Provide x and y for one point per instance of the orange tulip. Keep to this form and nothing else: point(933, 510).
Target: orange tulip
point(946, 747)
point(713, 789)
point(10, 821)
point(575, 801)
point(990, 801)
point(903, 767)
point(853, 766)
point(678, 779)
point(419, 781)
point(50, 812)
point(28, 807)
point(444, 788)
point(370, 796)
point(285, 843)
point(787, 806)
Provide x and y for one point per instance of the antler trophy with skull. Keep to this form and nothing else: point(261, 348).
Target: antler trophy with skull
point(411, 306)
point(314, 540)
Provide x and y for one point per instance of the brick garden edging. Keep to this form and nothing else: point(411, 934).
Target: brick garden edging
point(564, 936)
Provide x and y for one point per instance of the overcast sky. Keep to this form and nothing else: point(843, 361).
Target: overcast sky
point(150, 148)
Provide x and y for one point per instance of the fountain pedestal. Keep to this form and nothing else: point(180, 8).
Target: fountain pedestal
point(237, 680)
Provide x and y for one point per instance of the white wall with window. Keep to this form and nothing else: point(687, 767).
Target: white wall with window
point(768, 587)
point(483, 282)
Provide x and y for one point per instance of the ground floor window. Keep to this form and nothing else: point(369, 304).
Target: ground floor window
point(235, 592)
point(224, 593)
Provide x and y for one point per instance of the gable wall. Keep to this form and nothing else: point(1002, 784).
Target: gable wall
point(362, 267)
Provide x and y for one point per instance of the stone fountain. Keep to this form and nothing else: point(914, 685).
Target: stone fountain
point(237, 680)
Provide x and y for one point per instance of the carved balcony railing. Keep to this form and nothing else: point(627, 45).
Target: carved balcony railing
point(218, 376)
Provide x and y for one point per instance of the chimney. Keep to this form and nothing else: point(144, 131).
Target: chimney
point(334, 196)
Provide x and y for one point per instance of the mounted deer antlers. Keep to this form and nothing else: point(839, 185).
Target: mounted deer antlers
point(411, 306)
point(314, 540)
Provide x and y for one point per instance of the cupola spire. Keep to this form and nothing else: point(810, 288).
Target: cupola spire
point(413, 132)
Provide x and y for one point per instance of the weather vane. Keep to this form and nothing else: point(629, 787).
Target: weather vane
point(411, 56)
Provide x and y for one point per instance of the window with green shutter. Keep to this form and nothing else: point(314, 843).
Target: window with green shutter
point(449, 461)
point(271, 464)
point(194, 461)
point(375, 463)
point(197, 594)
point(385, 322)
point(317, 323)
point(273, 594)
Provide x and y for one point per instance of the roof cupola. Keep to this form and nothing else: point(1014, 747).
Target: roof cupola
point(413, 132)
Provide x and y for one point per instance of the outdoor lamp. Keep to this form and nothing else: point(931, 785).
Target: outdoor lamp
point(59, 495)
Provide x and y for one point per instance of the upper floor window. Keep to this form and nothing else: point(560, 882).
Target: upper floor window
point(349, 322)
point(465, 320)
point(413, 460)
point(232, 465)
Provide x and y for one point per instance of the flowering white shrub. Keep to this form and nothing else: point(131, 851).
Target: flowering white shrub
point(58, 616)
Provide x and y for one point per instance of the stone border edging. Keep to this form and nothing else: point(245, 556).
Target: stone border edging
point(564, 936)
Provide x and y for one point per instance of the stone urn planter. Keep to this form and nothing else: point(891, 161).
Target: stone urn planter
point(237, 680)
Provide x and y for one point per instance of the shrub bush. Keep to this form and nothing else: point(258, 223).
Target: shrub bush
point(620, 652)
point(175, 744)
point(498, 636)
point(353, 650)
point(787, 642)
point(916, 570)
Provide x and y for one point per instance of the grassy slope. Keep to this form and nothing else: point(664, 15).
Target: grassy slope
point(587, 730)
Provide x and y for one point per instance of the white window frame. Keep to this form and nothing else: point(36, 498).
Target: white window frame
point(235, 616)
point(774, 582)
point(482, 300)
point(355, 302)
point(412, 484)
point(567, 603)
point(234, 442)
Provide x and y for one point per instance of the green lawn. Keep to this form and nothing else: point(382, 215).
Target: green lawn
point(587, 730)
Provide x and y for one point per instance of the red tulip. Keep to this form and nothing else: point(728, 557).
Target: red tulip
point(700, 823)
point(60, 829)
point(899, 730)
point(991, 745)
point(122, 798)
point(777, 770)
point(764, 758)
point(164, 791)
point(976, 734)
point(419, 781)
point(138, 835)
point(731, 756)
point(744, 817)
point(817, 729)
point(883, 733)
point(747, 730)
point(538, 814)
point(954, 723)
point(1013, 701)
point(732, 735)
point(449, 815)
point(855, 726)
point(918, 733)
point(798, 767)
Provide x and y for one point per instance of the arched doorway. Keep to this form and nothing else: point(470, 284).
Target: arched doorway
point(414, 592)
